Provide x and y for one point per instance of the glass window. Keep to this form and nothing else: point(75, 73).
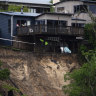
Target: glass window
point(80, 8)
point(60, 9)
point(92, 8)
point(77, 24)
point(28, 23)
point(23, 23)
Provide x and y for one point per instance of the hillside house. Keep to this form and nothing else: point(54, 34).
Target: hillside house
point(34, 6)
point(64, 25)
point(31, 27)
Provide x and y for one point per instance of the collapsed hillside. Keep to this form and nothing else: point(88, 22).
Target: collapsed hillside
point(37, 74)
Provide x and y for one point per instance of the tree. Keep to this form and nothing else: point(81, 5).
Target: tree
point(15, 8)
point(4, 73)
point(51, 7)
point(83, 80)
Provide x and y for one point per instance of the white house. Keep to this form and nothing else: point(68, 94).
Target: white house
point(79, 10)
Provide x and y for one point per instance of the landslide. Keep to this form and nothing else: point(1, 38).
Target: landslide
point(38, 74)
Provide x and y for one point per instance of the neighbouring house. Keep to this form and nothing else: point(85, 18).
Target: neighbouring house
point(34, 6)
point(79, 10)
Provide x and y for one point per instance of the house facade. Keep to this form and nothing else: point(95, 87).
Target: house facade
point(10, 21)
point(79, 10)
point(65, 25)
point(37, 6)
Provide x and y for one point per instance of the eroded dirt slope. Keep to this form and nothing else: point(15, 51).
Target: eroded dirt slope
point(38, 75)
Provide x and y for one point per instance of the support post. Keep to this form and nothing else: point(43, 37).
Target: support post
point(11, 29)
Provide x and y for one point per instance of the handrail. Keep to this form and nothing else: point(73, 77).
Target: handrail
point(43, 29)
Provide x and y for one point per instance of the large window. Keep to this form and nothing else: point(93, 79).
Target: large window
point(80, 8)
point(92, 8)
point(60, 9)
point(77, 24)
point(39, 10)
point(21, 23)
point(9, 26)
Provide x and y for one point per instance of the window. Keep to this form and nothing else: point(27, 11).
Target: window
point(77, 24)
point(60, 9)
point(9, 26)
point(92, 8)
point(21, 23)
point(82, 8)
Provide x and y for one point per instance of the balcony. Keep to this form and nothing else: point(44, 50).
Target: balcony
point(35, 30)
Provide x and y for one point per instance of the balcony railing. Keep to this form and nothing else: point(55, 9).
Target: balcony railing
point(21, 31)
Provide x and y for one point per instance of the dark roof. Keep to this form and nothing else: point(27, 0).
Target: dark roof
point(66, 14)
point(19, 14)
point(86, 1)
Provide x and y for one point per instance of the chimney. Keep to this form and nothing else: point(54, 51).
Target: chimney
point(22, 10)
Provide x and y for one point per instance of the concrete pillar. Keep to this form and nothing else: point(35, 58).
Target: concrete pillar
point(45, 25)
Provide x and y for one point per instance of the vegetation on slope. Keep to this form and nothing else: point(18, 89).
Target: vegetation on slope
point(83, 80)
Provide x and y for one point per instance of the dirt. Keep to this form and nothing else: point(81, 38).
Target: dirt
point(38, 74)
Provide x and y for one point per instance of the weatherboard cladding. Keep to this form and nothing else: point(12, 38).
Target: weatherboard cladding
point(4, 29)
point(4, 26)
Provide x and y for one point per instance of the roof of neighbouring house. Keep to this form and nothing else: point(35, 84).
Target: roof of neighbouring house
point(76, 0)
point(65, 14)
point(45, 2)
point(20, 14)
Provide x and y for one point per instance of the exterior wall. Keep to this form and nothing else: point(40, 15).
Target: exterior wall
point(55, 17)
point(84, 16)
point(68, 6)
point(4, 29)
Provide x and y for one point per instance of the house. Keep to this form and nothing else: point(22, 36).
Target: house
point(79, 10)
point(34, 6)
point(9, 21)
point(22, 30)
point(47, 31)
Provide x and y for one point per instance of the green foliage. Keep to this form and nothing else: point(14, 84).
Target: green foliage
point(17, 8)
point(10, 88)
point(83, 80)
point(89, 33)
point(51, 7)
point(4, 73)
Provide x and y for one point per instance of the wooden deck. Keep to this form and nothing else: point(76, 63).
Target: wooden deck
point(35, 30)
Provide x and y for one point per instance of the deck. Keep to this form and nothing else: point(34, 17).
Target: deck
point(35, 30)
